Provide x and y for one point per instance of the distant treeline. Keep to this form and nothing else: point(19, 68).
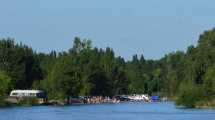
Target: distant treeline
point(85, 70)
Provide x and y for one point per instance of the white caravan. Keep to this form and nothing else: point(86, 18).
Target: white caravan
point(28, 93)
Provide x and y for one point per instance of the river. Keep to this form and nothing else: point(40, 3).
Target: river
point(122, 111)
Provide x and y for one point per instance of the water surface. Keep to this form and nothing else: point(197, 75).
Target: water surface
point(122, 111)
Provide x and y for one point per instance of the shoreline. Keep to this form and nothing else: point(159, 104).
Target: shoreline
point(95, 100)
point(82, 104)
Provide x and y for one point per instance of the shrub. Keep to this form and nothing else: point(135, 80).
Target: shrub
point(28, 101)
point(190, 96)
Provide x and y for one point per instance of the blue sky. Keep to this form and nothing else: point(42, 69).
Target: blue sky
point(150, 27)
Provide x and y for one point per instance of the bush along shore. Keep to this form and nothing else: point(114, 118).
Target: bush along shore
point(4, 103)
point(85, 70)
point(10, 102)
point(30, 101)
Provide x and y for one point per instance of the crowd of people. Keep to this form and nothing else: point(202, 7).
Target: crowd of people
point(114, 99)
point(100, 99)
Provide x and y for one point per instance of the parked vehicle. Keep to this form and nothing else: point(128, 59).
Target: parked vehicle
point(28, 93)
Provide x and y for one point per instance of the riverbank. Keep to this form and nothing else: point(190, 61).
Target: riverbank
point(11, 101)
point(195, 103)
point(8, 102)
point(33, 101)
point(206, 105)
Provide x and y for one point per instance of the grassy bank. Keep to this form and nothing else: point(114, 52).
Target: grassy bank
point(7, 102)
point(206, 104)
point(196, 102)
point(4, 103)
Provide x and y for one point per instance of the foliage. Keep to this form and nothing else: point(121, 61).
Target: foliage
point(4, 103)
point(5, 83)
point(190, 95)
point(209, 81)
point(28, 101)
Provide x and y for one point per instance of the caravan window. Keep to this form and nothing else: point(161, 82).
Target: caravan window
point(32, 94)
point(15, 94)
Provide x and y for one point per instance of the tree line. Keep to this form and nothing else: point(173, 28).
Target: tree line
point(85, 70)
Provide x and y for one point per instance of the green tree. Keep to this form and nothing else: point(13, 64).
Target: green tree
point(5, 84)
point(209, 82)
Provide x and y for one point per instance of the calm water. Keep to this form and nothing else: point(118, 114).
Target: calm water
point(123, 111)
